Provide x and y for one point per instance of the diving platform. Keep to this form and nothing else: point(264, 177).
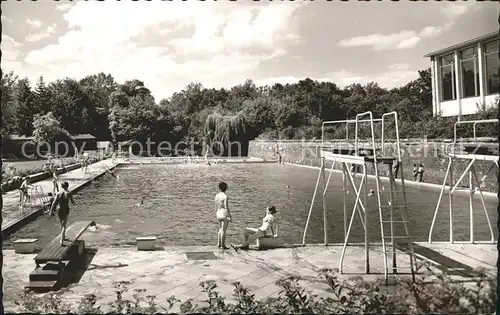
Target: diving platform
point(459, 150)
point(354, 156)
point(331, 155)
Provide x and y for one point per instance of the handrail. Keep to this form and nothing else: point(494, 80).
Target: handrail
point(397, 133)
point(356, 146)
point(344, 121)
point(475, 122)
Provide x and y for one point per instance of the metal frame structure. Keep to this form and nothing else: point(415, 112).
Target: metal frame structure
point(360, 206)
point(453, 185)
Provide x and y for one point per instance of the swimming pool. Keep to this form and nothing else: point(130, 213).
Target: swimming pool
point(179, 206)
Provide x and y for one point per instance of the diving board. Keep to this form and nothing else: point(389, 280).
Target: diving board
point(354, 159)
point(54, 251)
point(57, 259)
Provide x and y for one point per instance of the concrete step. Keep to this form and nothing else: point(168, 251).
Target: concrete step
point(44, 275)
point(41, 286)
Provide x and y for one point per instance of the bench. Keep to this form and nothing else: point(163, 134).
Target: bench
point(268, 242)
point(57, 258)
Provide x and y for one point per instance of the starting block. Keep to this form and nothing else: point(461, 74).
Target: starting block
point(25, 246)
point(268, 242)
point(146, 243)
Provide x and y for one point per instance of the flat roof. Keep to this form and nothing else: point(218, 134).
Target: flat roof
point(464, 44)
point(82, 136)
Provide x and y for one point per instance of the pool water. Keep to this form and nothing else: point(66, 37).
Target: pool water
point(179, 207)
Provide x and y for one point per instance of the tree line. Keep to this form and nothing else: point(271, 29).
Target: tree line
point(100, 106)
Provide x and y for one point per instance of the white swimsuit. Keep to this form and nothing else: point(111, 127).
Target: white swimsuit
point(222, 212)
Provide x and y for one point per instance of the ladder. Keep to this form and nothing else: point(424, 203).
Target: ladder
point(395, 202)
point(389, 201)
point(392, 209)
point(37, 196)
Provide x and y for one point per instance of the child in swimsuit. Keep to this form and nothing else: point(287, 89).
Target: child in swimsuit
point(223, 215)
point(48, 204)
point(23, 191)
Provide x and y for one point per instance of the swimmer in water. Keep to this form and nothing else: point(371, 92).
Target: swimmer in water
point(287, 187)
point(110, 172)
point(141, 202)
point(371, 193)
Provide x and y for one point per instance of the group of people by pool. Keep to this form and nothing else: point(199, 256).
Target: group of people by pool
point(269, 225)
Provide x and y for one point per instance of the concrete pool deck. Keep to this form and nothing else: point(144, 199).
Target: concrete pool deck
point(77, 179)
point(168, 271)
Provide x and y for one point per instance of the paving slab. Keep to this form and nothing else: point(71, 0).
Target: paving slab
point(169, 272)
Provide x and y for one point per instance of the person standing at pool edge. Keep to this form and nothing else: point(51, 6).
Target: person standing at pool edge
point(62, 198)
point(223, 215)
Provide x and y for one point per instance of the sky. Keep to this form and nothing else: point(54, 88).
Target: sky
point(168, 44)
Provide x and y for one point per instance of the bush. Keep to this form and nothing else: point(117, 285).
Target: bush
point(13, 177)
point(352, 296)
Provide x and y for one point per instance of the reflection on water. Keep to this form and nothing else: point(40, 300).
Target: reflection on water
point(178, 206)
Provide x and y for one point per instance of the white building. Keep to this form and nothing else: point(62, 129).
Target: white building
point(465, 76)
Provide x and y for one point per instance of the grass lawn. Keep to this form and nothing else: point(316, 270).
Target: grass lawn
point(27, 165)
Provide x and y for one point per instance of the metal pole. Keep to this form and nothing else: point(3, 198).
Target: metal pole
point(325, 222)
point(349, 230)
point(367, 245)
point(439, 200)
point(463, 175)
point(310, 210)
point(357, 192)
point(344, 169)
point(471, 207)
point(451, 199)
point(484, 205)
point(391, 215)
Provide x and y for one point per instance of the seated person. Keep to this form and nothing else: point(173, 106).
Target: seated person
point(269, 227)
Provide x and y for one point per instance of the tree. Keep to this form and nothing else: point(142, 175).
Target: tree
point(8, 104)
point(25, 107)
point(68, 102)
point(133, 115)
point(48, 131)
point(223, 130)
point(42, 98)
point(98, 89)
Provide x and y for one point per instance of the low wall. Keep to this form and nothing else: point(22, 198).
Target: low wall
point(431, 154)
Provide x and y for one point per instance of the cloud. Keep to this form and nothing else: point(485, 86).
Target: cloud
point(6, 19)
point(10, 55)
point(42, 34)
point(396, 75)
point(64, 7)
point(401, 40)
point(199, 41)
point(408, 38)
point(34, 23)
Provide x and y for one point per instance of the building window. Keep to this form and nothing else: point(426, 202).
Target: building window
point(448, 78)
point(492, 64)
point(470, 72)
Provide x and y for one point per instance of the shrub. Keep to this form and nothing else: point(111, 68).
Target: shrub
point(351, 296)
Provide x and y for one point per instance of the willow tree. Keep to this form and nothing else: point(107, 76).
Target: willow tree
point(224, 130)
